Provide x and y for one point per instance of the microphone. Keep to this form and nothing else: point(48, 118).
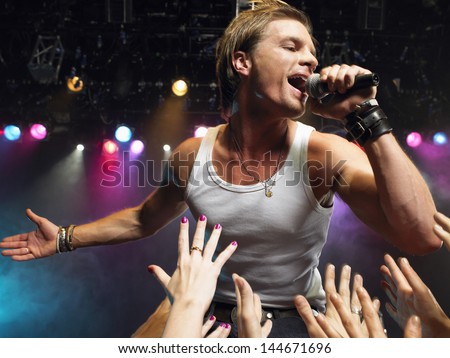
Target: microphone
point(318, 90)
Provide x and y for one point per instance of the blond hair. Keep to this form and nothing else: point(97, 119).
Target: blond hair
point(242, 34)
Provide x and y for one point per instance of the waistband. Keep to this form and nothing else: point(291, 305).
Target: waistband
point(225, 312)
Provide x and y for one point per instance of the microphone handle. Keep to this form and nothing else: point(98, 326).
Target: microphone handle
point(366, 81)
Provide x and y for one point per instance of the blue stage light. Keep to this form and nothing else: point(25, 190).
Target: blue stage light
point(440, 138)
point(12, 132)
point(123, 134)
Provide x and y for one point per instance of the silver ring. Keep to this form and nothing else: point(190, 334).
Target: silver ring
point(357, 311)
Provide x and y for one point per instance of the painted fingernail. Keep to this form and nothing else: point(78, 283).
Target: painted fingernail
point(227, 326)
point(212, 318)
point(184, 219)
point(202, 217)
point(217, 226)
point(150, 269)
point(234, 243)
point(223, 325)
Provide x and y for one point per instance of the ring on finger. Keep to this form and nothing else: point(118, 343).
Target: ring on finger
point(196, 248)
point(358, 311)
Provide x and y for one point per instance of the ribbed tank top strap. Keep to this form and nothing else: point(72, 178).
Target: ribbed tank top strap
point(300, 145)
point(205, 149)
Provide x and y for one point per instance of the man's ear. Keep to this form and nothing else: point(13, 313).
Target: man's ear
point(241, 63)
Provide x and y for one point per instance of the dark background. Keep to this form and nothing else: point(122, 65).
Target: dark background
point(128, 53)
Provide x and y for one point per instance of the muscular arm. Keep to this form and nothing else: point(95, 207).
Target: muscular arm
point(382, 185)
point(383, 188)
point(159, 208)
point(403, 196)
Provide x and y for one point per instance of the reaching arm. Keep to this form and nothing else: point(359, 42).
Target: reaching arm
point(161, 207)
point(380, 184)
point(408, 296)
point(158, 209)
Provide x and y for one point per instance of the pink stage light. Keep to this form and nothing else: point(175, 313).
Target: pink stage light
point(414, 139)
point(38, 131)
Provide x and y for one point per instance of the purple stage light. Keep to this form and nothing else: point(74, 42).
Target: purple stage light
point(137, 147)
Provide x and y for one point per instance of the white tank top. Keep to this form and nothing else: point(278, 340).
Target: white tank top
point(280, 238)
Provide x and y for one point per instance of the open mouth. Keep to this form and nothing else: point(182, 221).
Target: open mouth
point(297, 82)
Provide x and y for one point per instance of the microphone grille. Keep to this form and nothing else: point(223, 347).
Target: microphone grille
point(312, 86)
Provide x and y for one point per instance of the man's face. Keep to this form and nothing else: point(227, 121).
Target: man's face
point(280, 64)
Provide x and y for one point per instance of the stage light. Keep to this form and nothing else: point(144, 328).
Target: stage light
point(80, 147)
point(75, 84)
point(38, 131)
point(166, 148)
point(414, 139)
point(200, 132)
point(110, 147)
point(179, 88)
point(12, 132)
point(137, 147)
point(440, 138)
point(123, 134)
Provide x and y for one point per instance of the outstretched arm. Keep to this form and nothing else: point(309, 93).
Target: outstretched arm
point(129, 224)
point(157, 210)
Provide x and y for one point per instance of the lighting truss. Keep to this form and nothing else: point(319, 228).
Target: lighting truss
point(46, 59)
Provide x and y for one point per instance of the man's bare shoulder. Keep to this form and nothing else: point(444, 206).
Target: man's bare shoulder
point(187, 150)
point(320, 143)
point(183, 158)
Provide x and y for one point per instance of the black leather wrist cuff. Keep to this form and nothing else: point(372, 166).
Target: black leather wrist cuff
point(369, 124)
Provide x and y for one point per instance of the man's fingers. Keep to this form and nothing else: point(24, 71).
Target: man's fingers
point(12, 245)
point(33, 217)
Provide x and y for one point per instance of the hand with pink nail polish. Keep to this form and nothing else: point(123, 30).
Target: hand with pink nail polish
point(408, 296)
point(192, 286)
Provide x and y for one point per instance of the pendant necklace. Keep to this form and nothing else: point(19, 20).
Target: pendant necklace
point(269, 183)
